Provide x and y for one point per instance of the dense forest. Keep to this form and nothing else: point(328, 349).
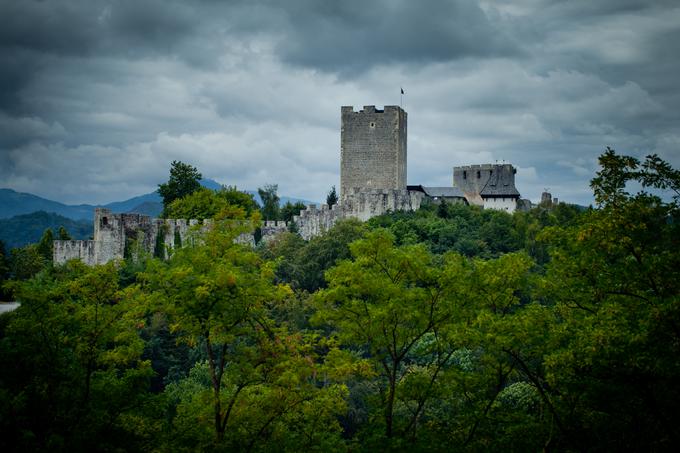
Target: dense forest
point(446, 329)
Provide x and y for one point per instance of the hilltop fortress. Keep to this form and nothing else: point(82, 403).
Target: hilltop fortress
point(373, 170)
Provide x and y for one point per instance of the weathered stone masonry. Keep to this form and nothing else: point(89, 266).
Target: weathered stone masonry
point(115, 234)
point(372, 182)
point(372, 170)
point(372, 148)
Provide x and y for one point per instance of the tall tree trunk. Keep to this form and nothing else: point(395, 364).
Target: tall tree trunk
point(217, 405)
point(389, 408)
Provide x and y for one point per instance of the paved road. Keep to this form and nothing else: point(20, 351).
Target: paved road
point(8, 306)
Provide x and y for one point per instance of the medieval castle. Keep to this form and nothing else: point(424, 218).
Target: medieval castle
point(372, 182)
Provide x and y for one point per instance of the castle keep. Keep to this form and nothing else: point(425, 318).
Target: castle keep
point(372, 149)
point(372, 182)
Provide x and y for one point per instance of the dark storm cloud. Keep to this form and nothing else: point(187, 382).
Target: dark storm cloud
point(98, 96)
point(356, 35)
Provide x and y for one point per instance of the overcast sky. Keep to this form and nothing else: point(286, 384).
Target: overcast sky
point(98, 97)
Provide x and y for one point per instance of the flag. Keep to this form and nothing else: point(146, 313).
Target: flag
point(402, 91)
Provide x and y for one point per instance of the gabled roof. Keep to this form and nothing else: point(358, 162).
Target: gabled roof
point(500, 184)
point(443, 192)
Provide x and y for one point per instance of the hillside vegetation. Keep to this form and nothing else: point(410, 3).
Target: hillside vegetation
point(21, 230)
point(446, 329)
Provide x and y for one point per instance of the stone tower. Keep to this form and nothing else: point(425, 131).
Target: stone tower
point(373, 149)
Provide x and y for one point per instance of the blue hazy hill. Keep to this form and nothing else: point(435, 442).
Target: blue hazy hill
point(14, 203)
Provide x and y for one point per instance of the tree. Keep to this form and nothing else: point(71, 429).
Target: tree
point(76, 359)
point(235, 197)
point(302, 264)
point(256, 375)
point(25, 262)
point(4, 270)
point(46, 245)
point(615, 280)
point(206, 203)
point(63, 235)
point(270, 202)
point(385, 302)
point(184, 180)
point(290, 210)
point(332, 197)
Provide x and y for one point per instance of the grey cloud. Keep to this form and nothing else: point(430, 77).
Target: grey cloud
point(356, 35)
point(97, 97)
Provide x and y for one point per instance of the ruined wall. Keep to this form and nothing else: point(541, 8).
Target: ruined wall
point(271, 228)
point(373, 148)
point(66, 250)
point(119, 235)
point(312, 221)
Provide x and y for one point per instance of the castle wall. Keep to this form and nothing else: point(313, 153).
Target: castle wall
point(361, 204)
point(364, 204)
point(373, 148)
point(66, 250)
point(501, 204)
point(313, 222)
point(116, 235)
point(471, 179)
point(271, 228)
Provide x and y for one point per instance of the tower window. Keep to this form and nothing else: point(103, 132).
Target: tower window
point(479, 174)
point(105, 221)
point(465, 175)
point(372, 125)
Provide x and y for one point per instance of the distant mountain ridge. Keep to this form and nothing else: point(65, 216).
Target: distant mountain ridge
point(14, 203)
point(28, 228)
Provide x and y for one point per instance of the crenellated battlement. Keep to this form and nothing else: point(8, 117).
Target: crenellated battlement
point(116, 234)
point(373, 148)
point(372, 183)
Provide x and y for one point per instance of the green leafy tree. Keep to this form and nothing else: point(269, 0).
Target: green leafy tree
point(75, 357)
point(290, 210)
point(46, 245)
point(184, 180)
point(235, 197)
point(614, 278)
point(4, 271)
point(385, 302)
point(63, 235)
point(332, 197)
point(25, 262)
point(302, 264)
point(206, 203)
point(256, 375)
point(270, 202)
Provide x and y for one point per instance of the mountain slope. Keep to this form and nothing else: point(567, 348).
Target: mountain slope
point(28, 228)
point(14, 203)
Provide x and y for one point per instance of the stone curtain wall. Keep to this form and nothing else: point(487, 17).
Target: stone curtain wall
point(373, 148)
point(118, 234)
point(83, 250)
point(364, 204)
point(358, 203)
point(312, 221)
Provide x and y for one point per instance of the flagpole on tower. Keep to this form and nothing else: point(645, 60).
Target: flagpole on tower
point(401, 98)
